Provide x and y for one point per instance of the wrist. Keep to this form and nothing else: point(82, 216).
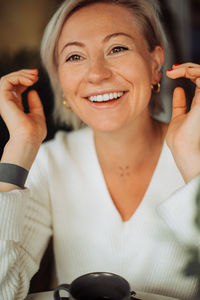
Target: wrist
point(7, 187)
point(13, 174)
point(189, 165)
point(20, 152)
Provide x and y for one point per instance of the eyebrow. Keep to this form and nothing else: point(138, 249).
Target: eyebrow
point(106, 39)
point(116, 34)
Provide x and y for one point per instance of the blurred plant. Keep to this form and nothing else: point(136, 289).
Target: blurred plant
point(192, 268)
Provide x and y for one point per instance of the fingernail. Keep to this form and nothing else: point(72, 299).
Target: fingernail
point(190, 67)
point(169, 70)
point(176, 65)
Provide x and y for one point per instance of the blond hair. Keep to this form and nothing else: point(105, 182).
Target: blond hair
point(146, 12)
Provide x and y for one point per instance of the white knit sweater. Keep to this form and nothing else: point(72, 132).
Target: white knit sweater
point(66, 195)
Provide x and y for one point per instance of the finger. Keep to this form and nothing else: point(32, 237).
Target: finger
point(25, 72)
point(32, 71)
point(179, 103)
point(12, 82)
point(194, 73)
point(179, 72)
point(188, 73)
point(20, 89)
point(185, 65)
point(11, 87)
point(189, 70)
point(35, 104)
point(29, 74)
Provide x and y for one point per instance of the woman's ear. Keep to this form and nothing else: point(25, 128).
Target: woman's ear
point(158, 58)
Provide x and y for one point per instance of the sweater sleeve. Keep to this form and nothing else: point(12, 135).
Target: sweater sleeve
point(25, 228)
point(179, 212)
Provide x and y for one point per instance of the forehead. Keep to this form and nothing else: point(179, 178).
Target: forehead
point(99, 18)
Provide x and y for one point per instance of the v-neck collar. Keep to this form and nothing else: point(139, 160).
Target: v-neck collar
point(101, 183)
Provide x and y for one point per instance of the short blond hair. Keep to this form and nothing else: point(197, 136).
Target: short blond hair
point(146, 12)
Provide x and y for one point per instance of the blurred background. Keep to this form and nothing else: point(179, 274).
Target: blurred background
point(22, 23)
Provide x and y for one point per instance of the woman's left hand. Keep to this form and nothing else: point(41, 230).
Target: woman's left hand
point(183, 136)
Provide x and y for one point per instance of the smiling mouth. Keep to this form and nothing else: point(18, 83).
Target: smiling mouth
point(103, 98)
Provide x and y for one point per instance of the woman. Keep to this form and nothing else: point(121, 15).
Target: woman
point(99, 189)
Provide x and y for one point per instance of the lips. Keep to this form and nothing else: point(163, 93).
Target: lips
point(113, 100)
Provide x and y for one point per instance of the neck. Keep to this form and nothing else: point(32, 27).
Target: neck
point(130, 145)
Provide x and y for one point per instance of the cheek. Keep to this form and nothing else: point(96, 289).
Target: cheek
point(136, 69)
point(137, 72)
point(69, 81)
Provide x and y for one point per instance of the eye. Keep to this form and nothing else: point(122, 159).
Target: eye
point(74, 57)
point(118, 49)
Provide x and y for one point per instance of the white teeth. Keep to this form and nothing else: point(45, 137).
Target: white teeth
point(105, 97)
point(99, 98)
point(111, 96)
point(115, 95)
point(94, 98)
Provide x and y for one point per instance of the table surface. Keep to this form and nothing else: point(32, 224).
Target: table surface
point(142, 296)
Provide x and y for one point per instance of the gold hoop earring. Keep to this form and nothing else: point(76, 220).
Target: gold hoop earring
point(155, 88)
point(66, 105)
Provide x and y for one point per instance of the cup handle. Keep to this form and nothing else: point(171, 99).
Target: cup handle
point(65, 287)
point(133, 294)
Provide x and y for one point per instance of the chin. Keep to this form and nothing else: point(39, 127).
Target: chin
point(105, 126)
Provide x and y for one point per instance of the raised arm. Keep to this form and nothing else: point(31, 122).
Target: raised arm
point(183, 135)
point(25, 218)
point(27, 131)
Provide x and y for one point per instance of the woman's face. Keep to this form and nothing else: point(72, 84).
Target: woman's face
point(105, 68)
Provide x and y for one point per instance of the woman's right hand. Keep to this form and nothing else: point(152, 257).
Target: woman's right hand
point(27, 130)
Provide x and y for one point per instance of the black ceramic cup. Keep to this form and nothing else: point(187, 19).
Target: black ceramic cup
point(96, 286)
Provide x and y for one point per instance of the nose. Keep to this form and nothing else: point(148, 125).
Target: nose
point(98, 70)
